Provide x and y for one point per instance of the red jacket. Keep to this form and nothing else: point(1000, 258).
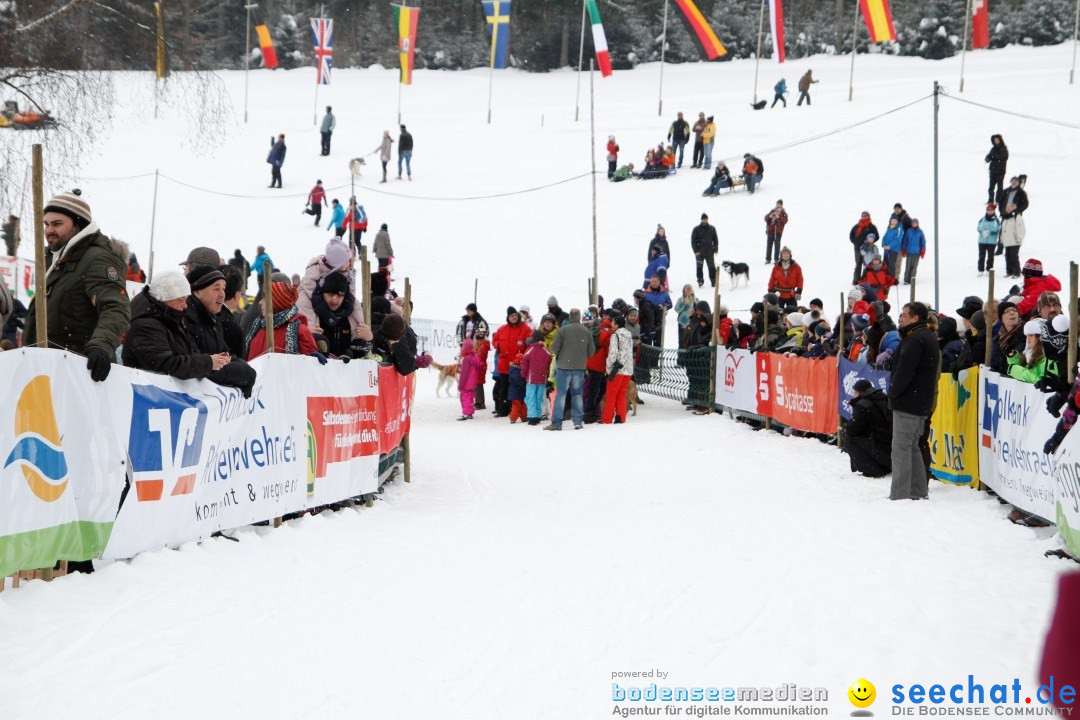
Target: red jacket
point(482, 348)
point(305, 340)
point(509, 340)
point(786, 282)
point(1060, 658)
point(597, 362)
point(723, 330)
point(1033, 288)
point(775, 227)
point(317, 196)
point(879, 279)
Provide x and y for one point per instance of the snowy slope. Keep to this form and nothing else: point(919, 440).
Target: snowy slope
point(525, 247)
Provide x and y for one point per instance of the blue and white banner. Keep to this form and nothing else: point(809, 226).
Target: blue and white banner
point(851, 373)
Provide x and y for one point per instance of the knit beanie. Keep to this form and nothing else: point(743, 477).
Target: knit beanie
point(552, 302)
point(72, 205)
point(393, 327)
point(335, 284)
point(379, 285)
point(862, 385)
point(1002, 307)
point(1033, 268)
point(978, 321)
point(337, 253)
point(1034, 327)
point(860, 321)
point(204, 276)
point(855, 294)
point(169, 285)
point(282, 296)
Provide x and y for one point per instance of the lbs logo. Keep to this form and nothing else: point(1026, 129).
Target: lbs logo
point(165, 442)
point(38, 450)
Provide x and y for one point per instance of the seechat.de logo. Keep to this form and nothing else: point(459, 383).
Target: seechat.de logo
point(38, 450)
point(862, 695)
point(165, 442)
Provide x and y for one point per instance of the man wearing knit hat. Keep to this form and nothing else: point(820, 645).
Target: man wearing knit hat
point(705, 244)
point(88, 308)
point(213, 328)
point(916, 366)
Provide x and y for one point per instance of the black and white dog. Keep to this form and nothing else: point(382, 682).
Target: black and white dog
point(759, 105)
point(735, 270)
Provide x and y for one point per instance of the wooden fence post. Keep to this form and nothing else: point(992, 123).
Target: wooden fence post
point(839, 354)
point(41, 319)
point(765, 344)
point(405, 444)
point(268, 305)
point(365, 279)
point(1072, 321)
point(988, 317)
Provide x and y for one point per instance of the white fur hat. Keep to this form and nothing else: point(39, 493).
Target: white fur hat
point(169, 285)
point(795, 319)
point(1033, 327)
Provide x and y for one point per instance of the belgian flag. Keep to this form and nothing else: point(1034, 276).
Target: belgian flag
point(267, 45)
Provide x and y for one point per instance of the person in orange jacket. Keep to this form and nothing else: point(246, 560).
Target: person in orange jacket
point(508, 341)
point(786, 279)
point(596, 370)
point(877, 277)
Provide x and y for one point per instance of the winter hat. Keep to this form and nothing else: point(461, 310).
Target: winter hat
point(548, 317)
point(467, 347)
point(204, 276)
point(335, 284)
point(72, 205)
point(704, 216)
point(393, 327)
point(337, 253)
point(821, 329)
point(619, 304)
point(722, 310)
point(991, 207)
point(871, 236)
point(207, 256)
point(855, 294)
point(861, 308)
point(702, 306)
point(1060, 324)
point(517, 358)
point(524, 310)
point(860, 321)
point(471, 306)
point(511, 310)
point(1002, 307)
point(880, 308)
point(1033, 268)
point(774, 317)
point(795, 319)
point(978, 321)
point(771, 299)
point(384, 226)
point(816, 303)
point(282, 296)
point(169, 285)
point(946, 328)
point(757, 307)
point(1016, 298)
point(537, 336)
point(1048, 298)
point(972, 304)
point(552, 301)
point(1034, 327)
point(379, 284)
point(862, 385)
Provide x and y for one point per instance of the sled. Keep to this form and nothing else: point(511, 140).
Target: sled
point(33, 121)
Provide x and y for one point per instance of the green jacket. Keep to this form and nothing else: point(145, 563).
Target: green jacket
point(1030, 374)
point(88, 305)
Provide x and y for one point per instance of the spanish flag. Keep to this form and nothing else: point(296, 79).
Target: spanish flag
point(705, 35)
point(267, 45)
point(878, 19)
point(406, 19)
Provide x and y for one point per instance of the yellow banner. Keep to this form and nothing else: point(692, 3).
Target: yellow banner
point(954, 429)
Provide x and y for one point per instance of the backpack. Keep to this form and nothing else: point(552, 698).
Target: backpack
point(779, 87)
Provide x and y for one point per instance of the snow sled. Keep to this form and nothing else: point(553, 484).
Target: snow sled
point(27, 120)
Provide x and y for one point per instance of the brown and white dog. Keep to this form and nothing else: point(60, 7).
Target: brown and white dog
point(447, 377)
point(631, 397)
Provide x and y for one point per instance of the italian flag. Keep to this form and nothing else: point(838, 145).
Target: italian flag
point(603, 59)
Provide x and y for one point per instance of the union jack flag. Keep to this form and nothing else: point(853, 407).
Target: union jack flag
point(322, 32)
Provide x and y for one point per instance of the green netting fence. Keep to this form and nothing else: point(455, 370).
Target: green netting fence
point(682, 375)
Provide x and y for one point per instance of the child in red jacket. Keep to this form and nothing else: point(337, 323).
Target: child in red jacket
point(535, 365)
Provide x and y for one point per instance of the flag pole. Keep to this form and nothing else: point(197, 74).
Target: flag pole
point(854, 44)
point(315, 107)
point(937, 242)
point(404, 3)
point(580, 55)
point(663, 48)
point(757, 58)
point(963, 52)
point(247, 57)
point(491, 60)
point(1076, 27)
point(592, 134)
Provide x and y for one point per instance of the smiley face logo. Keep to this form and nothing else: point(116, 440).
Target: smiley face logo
point(862, 693)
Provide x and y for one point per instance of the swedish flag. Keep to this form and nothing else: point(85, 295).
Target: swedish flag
point(498, 23)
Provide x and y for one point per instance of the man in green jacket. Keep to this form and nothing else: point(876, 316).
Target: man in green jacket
point(88, 307)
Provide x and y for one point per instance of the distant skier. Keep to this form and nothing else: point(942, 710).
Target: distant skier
point(329, 122)
point(404, 149)
point(679, 134)
point(276, 158)
point(804, 87)
point(998, 158)
point(779, 91)
point(315, 200)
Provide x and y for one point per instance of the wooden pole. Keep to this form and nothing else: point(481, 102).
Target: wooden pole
point(475, 289)
point(247, 57)
point(153, 223)
point(713, 341)
point(988, 315)
point(365, 270)
point(663, 49)
point(963, 52)
point(1076, 28)
point(1073, 288)
point(407, 315)
point(912, 286)
point(268, 305)
point(39, 249)
point(843, 309)
point(760, 31)
point(592, 133)
point(937, 222)
point(854, 44)
point(765, 344)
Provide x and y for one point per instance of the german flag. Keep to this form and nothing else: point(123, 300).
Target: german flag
point(267, 45)
point(712, 45)
point(878, 19)
point(406, 19)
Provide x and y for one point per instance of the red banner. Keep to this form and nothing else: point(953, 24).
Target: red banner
point(395, 407)
point(797, 392)
point(342, 428)
point(980, 25)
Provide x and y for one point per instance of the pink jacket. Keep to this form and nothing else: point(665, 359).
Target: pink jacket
point(467, 372)
point(536, 364)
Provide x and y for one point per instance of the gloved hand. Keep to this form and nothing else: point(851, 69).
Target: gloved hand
point(98, 363)
point(359, 349)
point(1052, 444)
point(922, 254)
point(344, 358)
point(903, 253)
point(1055, 402)
point(318, 356)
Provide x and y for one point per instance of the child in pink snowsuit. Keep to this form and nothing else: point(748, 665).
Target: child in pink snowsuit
point(466, 381)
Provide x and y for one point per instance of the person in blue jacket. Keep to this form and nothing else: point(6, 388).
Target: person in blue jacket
point(989, 229)
point(257, 264)
point(337, 218)
point(780, 90)
point(914, 248)
point(890, 243)
point(276, 158)
point(658, 262)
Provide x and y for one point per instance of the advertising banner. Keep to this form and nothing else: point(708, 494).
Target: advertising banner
point(954, 427)
point(1014, 424)
point(1067, 490)
point(736, 385)
point(797, 392)
point(438, 338)
point(18, 274)
point(395, 408)
point(851, 373)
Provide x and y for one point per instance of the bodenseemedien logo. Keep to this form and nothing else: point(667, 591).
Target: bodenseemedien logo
point(862, 695)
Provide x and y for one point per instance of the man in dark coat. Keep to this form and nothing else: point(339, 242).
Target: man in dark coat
point(804, 87)
point(678, 135)
point(470, 322)
point(868, 437)
point(705, 244)
point(404, 149)
point(158, 341)
point(998, 158)
point(1012, 202)
point(214, 330)
point(858, 235)
point(916, 365)
point(333, 305)
point(276, 158)
point(88, 306)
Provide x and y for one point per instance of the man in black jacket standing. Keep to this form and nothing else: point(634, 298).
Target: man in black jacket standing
point(998, 159)
point(705, 244)
point(868, 437)
point(679, 134)
point(404, 149)
point(912, 396)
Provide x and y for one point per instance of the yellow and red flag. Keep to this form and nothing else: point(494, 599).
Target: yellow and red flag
point(265, 42)
point(705, 35)
point(406, 19)
point(878, 19)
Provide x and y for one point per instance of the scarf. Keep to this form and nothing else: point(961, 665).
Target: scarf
point(863, 224)
point(1005, 337)
point(292, 343)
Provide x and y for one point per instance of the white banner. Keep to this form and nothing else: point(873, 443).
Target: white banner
point(736, 381)
point(1014, 424)
point(437, 338)
point(1067, 489)
point(18, 274)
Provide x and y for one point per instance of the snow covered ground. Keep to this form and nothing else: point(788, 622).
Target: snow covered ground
point(519, 570)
